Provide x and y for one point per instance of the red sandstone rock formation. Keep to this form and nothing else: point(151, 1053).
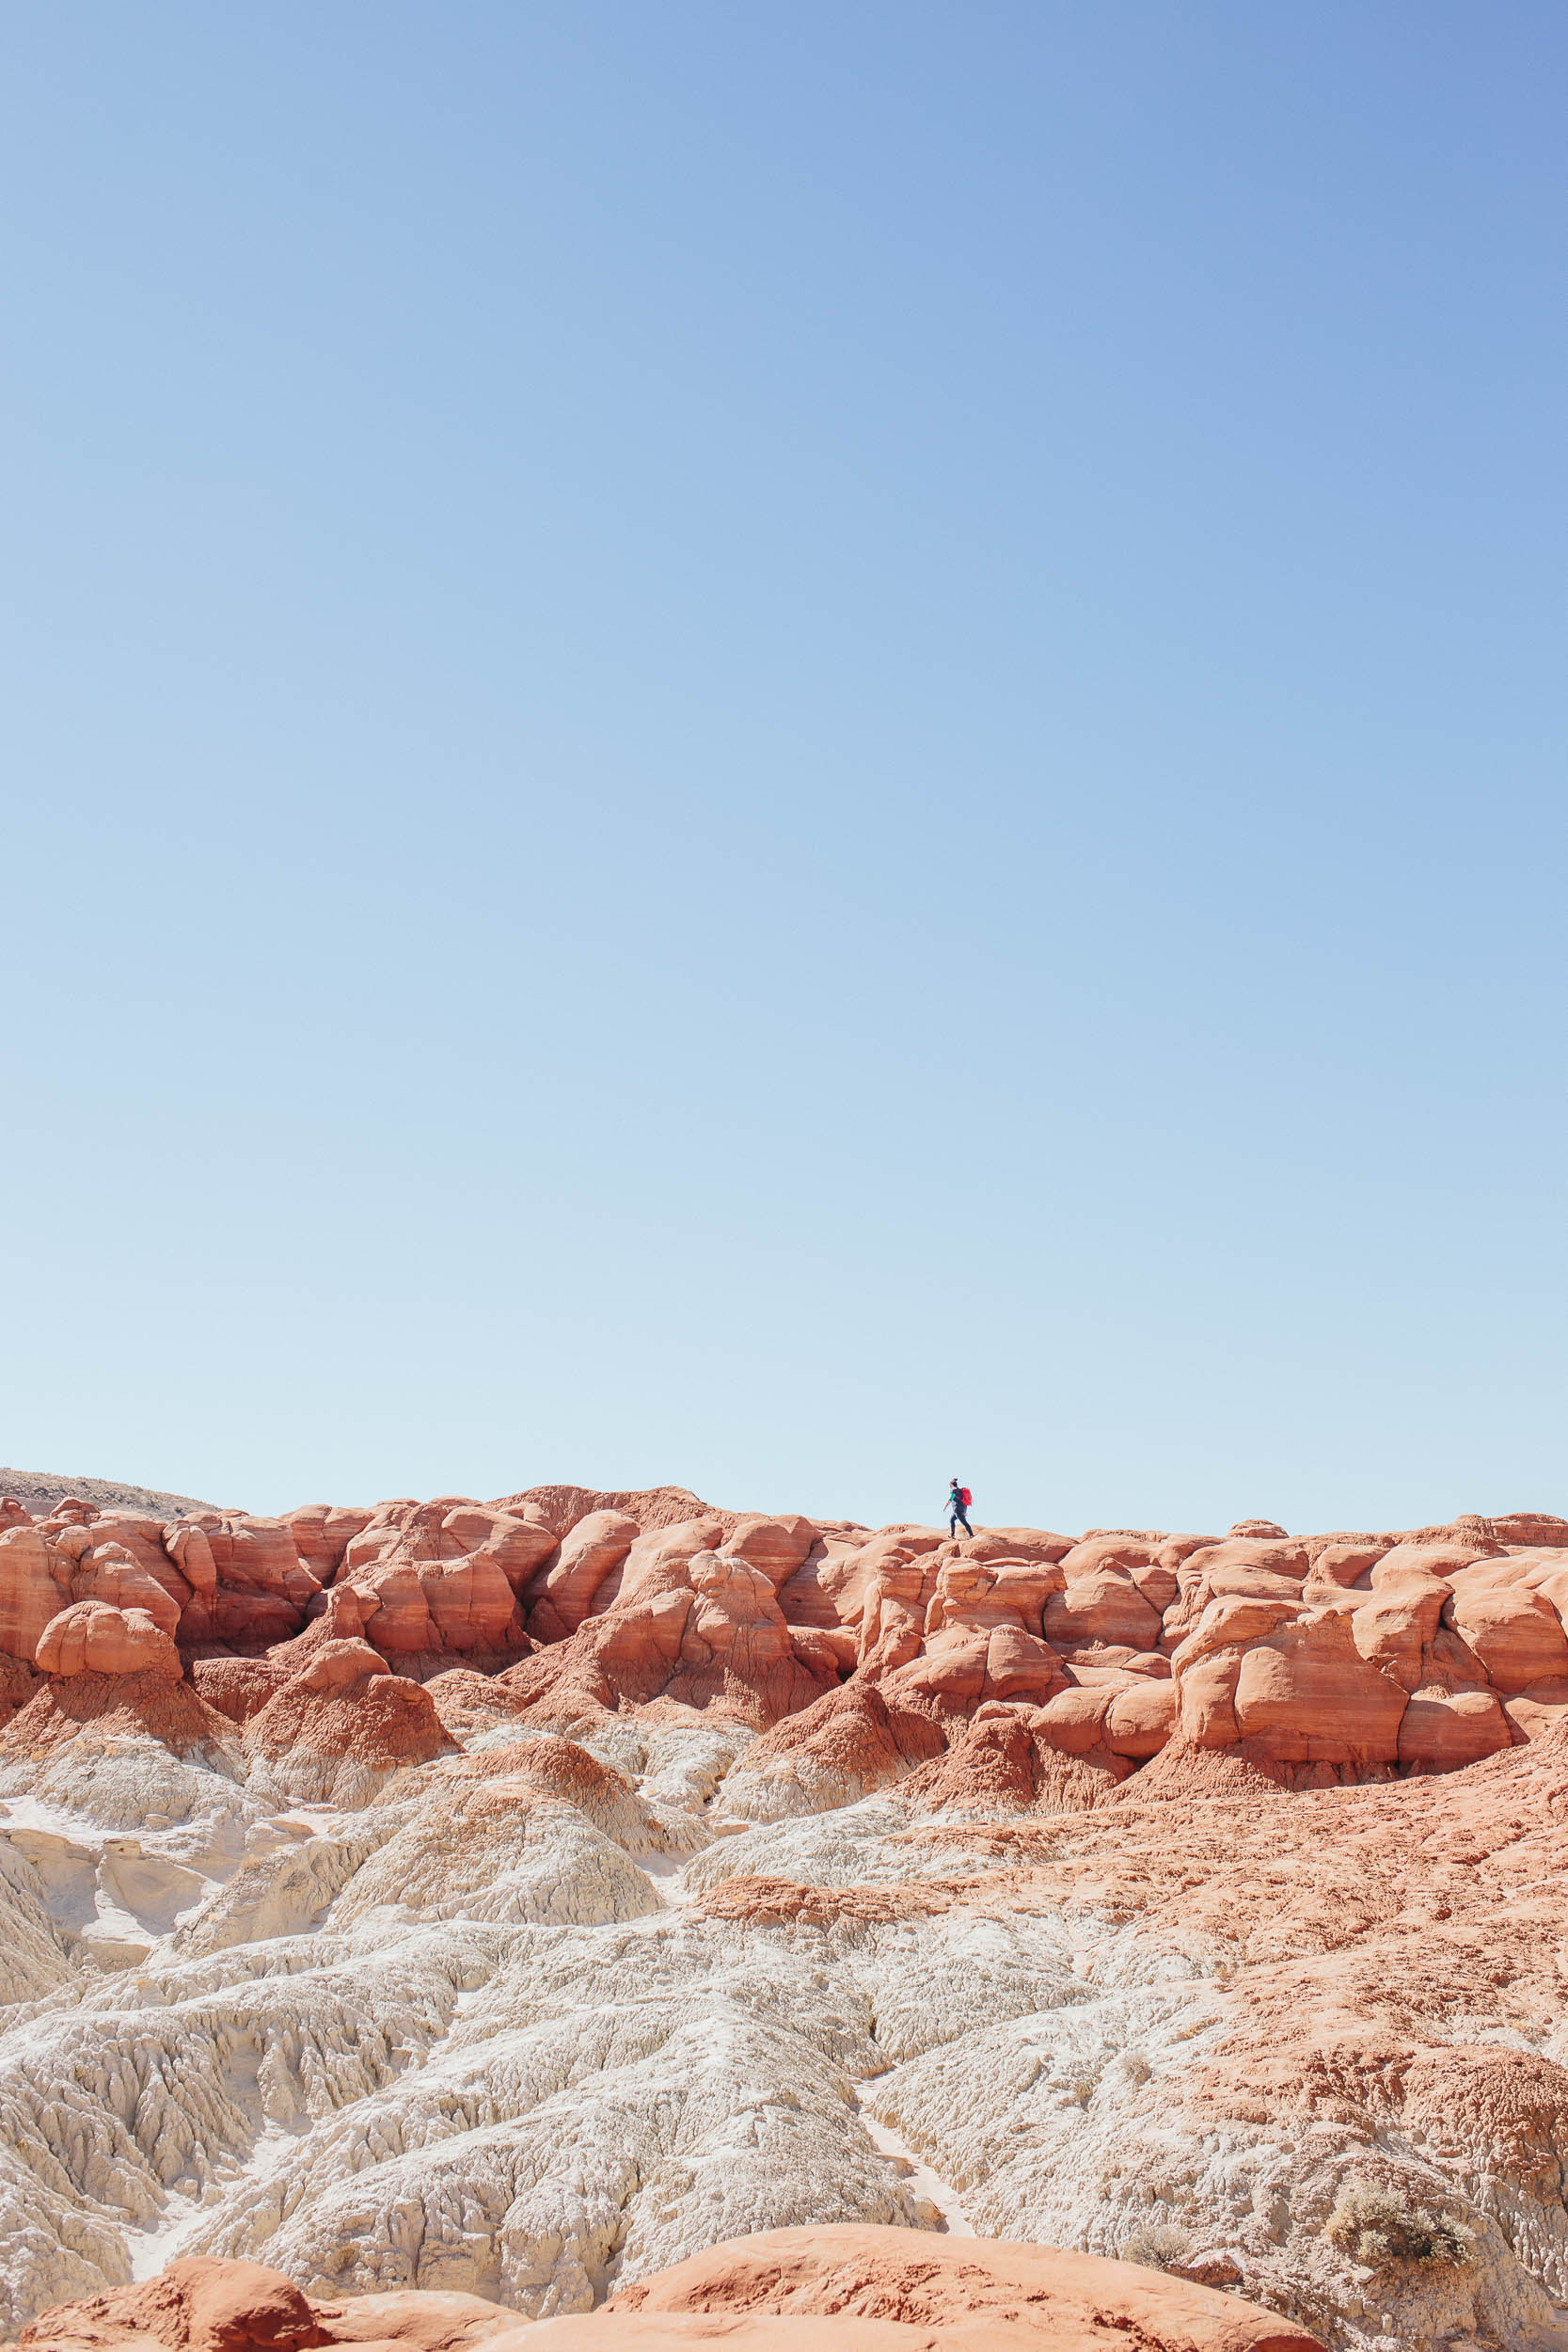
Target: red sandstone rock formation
point(203, 2306)
point(888, 2282)
point(323, 1533)
point(248, 1584)
point(1374, 1970)
point(17, 1684)
point(861, 2289)
point(565, 1590)
point(1330, 1657)
point(239, 1687)
point(444, 1577)
point(848, 1742)
point(90, 1637)
point(149, 1703)
point(207, 1578)
point(561, 1508)
point(1017, 1759)
point(342, 1725)
point(687, 1623)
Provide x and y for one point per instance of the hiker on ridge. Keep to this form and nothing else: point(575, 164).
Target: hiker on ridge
point(957, 1509)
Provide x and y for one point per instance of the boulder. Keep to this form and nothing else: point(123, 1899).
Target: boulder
point(980, 1640)
point(1289, 1681)
point(895, 2288)
point(1228, 1622)
point(117, 1558)
point(110, 1572)
point(92, 1637)
point(1435, 1559)
point(822, 1646)
point(440, 1605)
point(777, 1547)
point(945, 1679)
point(1020, 1665)
point(190, 1548)
point(1305, 1694)
point(323, 1532)
point(1107, 1548)
point(337, 1663)
point(986, 1595)
point(1394, 1627)
point(1100, 1605)
point(1201, 1587)
point(1205, 1700)
point(1515, 1632)
point(1140, 1720)
point(565, 1590)
point(1074, 1719)
point(193, 2306)
point(1442, 1731)
point(1346, 1565)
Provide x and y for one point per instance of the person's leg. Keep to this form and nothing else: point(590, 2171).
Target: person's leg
point(967, 1529)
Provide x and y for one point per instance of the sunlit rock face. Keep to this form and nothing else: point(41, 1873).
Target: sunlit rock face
point(517, 1900)
point(818, 2290)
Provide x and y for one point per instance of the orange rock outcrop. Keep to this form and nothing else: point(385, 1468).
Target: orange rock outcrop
point(523, 1896)
point(1332, 1657)
point(833, 2290)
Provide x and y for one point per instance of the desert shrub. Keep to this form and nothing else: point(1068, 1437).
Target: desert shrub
point(1374, 2226)
point(1158, 2245)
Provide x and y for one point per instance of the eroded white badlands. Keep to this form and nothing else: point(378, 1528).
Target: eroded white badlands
point(522, 1899)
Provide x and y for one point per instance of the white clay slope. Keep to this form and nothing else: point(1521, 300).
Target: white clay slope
point(479, 2036)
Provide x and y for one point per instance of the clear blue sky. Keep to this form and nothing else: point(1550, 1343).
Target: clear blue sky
point(788, 747)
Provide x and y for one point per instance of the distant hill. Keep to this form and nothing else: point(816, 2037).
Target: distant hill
point(40, 1491)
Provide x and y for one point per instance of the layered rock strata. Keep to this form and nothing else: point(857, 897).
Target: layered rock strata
point(515, 1899)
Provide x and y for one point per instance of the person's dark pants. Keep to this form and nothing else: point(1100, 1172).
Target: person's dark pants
point(957, 1521)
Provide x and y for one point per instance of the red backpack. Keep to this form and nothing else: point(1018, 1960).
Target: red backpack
point(964, 1497)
